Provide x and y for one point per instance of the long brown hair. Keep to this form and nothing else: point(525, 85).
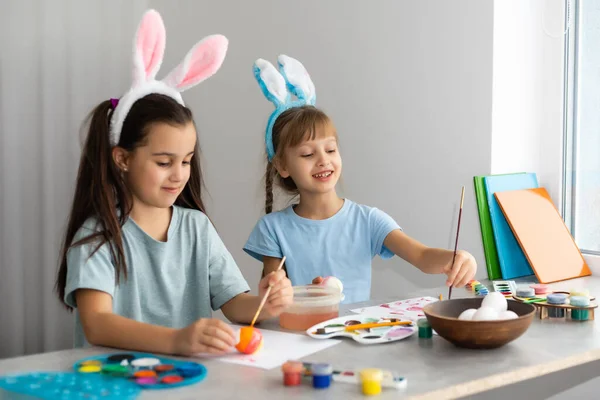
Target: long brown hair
point(290, 129)
point(101, 192)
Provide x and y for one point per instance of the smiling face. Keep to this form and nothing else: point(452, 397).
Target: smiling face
point(314, 165)
point(157, 171)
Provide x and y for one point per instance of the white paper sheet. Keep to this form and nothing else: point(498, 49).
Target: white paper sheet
point(278, 347)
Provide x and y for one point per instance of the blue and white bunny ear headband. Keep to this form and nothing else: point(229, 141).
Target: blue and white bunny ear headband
point(292, 78)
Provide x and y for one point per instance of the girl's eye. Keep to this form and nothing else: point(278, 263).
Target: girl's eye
point(331, 151)
point(162, 164)
point(186, 163)
point(306, 155)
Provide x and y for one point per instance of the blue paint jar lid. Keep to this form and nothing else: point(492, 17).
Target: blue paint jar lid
point(322, 369)
point(556, 298)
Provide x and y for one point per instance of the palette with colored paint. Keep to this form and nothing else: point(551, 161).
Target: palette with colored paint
point(337, 328)
point(67, 386)
point(147, 371)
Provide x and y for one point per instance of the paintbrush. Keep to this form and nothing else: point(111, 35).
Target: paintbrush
point(462, 199)
point(324, 331)
point(264, 299)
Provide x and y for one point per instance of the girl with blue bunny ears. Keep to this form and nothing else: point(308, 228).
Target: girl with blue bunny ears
point(323, 234)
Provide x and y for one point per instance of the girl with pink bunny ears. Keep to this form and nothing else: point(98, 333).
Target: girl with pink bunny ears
point(141, 263)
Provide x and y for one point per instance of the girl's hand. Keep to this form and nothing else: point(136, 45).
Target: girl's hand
point(462, 271)
point(281, 295)
point(207, 335)
point(318, 280)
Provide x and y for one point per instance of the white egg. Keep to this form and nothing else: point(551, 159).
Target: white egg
point(507, 315)
point(495, 300)
point(485, 314)
point(467, 315)
point(332, 281)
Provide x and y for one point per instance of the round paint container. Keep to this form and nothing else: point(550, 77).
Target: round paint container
point(425, 331)
point(321, 375)
point(580, 292)
point(371, 381)
point(540, 288)
point(312, 305)
point(579, 314)
point(556, 299)
point(292, 373)
point(525, 291)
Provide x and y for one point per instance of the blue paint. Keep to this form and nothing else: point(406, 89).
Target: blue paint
point(321, 375)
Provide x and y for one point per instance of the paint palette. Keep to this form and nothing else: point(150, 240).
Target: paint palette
point(336, 328)
point(146, 371)
point(507, 288)
point(67, 386)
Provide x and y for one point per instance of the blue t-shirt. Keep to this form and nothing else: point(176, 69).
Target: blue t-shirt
point(342, 246)
point(171, 283)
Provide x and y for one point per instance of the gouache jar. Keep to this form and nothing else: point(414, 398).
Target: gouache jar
point(292, 373)
point(371, 381)
point(312, 305)
point(579, 314)
point(321, 374)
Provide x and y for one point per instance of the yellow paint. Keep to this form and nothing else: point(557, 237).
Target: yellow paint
point(371, 381)
point(90, 369)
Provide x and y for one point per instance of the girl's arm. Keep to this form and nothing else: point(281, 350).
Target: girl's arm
point(432, 260)
point(270, 264)
point(243, 307)
point(104, 328)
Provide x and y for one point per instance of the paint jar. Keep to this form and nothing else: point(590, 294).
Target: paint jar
point(321, 374)
point(525, 292)
point(371, 381)
point(292, 373)
point(540, 288)
point(580, 292)
point(312, 305)
point(556, 299)
point(425, 331)
point(578, 314)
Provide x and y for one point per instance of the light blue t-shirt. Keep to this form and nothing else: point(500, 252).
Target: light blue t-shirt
point(342, 246)
point(172, 283)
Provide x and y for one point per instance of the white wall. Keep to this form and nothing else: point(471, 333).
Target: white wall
point(408, 85)
point(527, 106)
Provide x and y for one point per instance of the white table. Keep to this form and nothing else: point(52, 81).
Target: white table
point(435, 369)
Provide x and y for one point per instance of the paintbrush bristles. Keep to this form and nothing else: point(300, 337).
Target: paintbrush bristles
point(462, 200)
point(264, 299)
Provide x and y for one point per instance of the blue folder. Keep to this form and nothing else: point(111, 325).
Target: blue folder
point(513, 263)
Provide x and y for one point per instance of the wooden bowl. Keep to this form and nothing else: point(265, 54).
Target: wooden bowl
point(443, 318)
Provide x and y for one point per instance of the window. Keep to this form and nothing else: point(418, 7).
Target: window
point(581, 180)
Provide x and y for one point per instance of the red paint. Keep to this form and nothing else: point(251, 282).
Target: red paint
point(292, 373)
point(171, 379)
point(292, 378)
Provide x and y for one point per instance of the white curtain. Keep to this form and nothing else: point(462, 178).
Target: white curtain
point(58, 59)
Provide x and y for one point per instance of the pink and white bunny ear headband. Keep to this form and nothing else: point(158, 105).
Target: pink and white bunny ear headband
point(200, 63)
point(292, 78)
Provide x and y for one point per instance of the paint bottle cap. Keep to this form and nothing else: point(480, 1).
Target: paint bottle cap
point(423, 323)
point(539, 288)
point(556, 298)
point(371, 374)
point(322, 369)
point(524, 291)
point(580, 292)
point(292, 367)
point(580, 301)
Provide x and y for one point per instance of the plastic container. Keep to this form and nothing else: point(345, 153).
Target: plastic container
point(312, 305)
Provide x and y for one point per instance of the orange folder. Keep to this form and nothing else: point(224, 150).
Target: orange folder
point(542, 234)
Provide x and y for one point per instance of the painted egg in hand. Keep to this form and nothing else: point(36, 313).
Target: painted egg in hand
point(251, 340)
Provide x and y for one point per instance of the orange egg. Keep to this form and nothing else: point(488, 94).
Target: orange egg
point(251, 340)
